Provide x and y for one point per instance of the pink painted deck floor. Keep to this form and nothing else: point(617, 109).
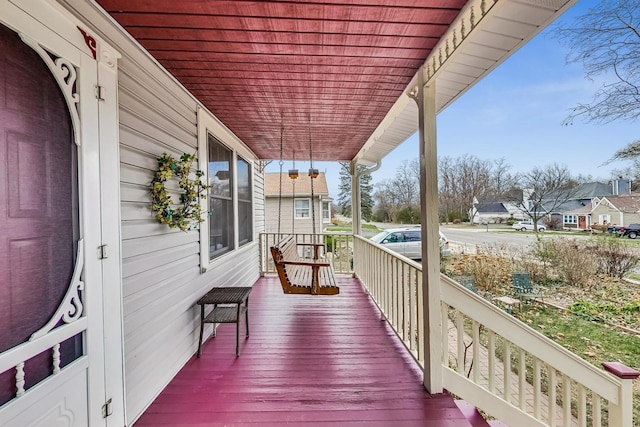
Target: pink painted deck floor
point(310, 360)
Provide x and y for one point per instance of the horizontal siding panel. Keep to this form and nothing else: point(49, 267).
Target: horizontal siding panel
point(136, 247)
point(140, 300)
point(183, 142)
point(133, 156)
point(133, 211)
point(141, 228)
point(149, 113)
point(145, 145)
point(144, 91)
point(136, 175)
point(151, 260)
point(148, 279)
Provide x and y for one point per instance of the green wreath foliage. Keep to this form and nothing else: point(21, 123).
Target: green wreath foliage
point(185, 215)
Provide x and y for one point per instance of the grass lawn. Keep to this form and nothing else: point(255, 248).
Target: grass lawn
point(594, 341)
point(348, 228)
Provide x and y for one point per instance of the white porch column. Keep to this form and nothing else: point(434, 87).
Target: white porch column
point(356, 214)
point(431, 295)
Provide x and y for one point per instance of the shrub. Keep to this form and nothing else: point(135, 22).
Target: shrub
point(573, 260)
point(613, 256)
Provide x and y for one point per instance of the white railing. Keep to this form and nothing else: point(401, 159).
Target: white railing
point(491, 359)
point(338, 247)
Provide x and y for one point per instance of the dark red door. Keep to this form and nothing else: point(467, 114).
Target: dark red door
point(38, 208)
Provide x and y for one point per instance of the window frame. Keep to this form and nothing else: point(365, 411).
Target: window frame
point(209, 125)
point(326, 219)
point(295, 209)
point(570, 219)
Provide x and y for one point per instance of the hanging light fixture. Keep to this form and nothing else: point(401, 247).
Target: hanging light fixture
point(293, 173)
point(313, 173)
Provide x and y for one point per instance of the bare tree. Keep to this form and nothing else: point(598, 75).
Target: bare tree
point(606, 41)
point(545, 190)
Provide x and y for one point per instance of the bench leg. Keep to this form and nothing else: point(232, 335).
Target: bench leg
point(238, 330)
point(201, 329)
point(246, 315)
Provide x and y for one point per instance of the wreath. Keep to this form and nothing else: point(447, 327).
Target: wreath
point(187, 214)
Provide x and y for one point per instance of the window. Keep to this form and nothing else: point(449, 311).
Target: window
point(326, 211)
point(604, 219)
point(301, 207)
point(221, 233)
point(229, 171)
point(570, 219)
point(412, 236)
point(245, 217)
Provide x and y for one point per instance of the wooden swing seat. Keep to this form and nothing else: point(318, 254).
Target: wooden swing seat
point(303, 275)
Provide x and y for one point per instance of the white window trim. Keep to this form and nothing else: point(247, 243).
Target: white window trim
point(574, 219)
point(295, 212)
point(208, 124)
point(328, 218)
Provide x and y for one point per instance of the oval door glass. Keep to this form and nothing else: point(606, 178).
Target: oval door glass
point(38, 205)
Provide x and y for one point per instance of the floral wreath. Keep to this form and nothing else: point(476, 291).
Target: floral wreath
point(188, 216)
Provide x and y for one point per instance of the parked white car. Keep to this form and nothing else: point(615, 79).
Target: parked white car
point(408, 242)
point(527, 226)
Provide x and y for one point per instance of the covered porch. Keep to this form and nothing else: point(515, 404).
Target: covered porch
point(309, 360)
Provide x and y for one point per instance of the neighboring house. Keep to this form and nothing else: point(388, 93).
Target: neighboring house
point(616, 210)
point(292, 209)
point(495, 212)
point(576, 213)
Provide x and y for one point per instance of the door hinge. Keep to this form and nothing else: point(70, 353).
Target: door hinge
point(103, 252)
point(99, 93)
point(106, 409)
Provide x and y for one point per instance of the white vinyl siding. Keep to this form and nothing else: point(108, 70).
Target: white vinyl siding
point(162, 278)
point(286, 217)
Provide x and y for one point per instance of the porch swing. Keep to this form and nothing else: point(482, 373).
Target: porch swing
point(299, 275)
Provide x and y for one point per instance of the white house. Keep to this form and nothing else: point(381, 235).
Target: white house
point(97, 298)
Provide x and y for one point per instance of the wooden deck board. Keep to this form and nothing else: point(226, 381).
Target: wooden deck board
point(311, 360)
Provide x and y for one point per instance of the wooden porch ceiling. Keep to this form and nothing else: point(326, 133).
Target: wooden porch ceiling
point(336, 71)
point(331, 69)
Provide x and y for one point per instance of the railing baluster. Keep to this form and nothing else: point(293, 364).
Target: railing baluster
point(56, 359)
point(551, 394)
point(460, 335)
point(20, 379)
point(445, 333)
point(492, 361)
point(566, 400)
point(596, 403)
point(475, 362)
point(582, 406)
point(537, 388)
point(507, 372)
point(522, 379)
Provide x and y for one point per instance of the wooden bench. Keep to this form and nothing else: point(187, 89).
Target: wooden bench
point(303, 275)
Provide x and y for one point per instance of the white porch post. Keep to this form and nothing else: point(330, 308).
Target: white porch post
point(432, 330)
point(356, 215)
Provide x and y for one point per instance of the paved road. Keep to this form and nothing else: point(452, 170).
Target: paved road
point(480, 236)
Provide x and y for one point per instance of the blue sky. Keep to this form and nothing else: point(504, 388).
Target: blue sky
point(516, 112)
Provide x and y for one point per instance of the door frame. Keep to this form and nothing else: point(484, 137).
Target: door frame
point(51, 26)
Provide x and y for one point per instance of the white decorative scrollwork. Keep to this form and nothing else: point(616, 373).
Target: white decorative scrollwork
point(65, 74)
point(71, 307)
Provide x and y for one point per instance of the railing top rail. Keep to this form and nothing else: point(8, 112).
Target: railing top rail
point(530, 340)
point(403, 258)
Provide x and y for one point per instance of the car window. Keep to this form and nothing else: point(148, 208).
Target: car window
point(393, 238)
point(379, 237)
point(412, 236)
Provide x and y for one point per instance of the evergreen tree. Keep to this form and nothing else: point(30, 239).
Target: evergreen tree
point(366, 193)
point(366, 196)
point(344, 198)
